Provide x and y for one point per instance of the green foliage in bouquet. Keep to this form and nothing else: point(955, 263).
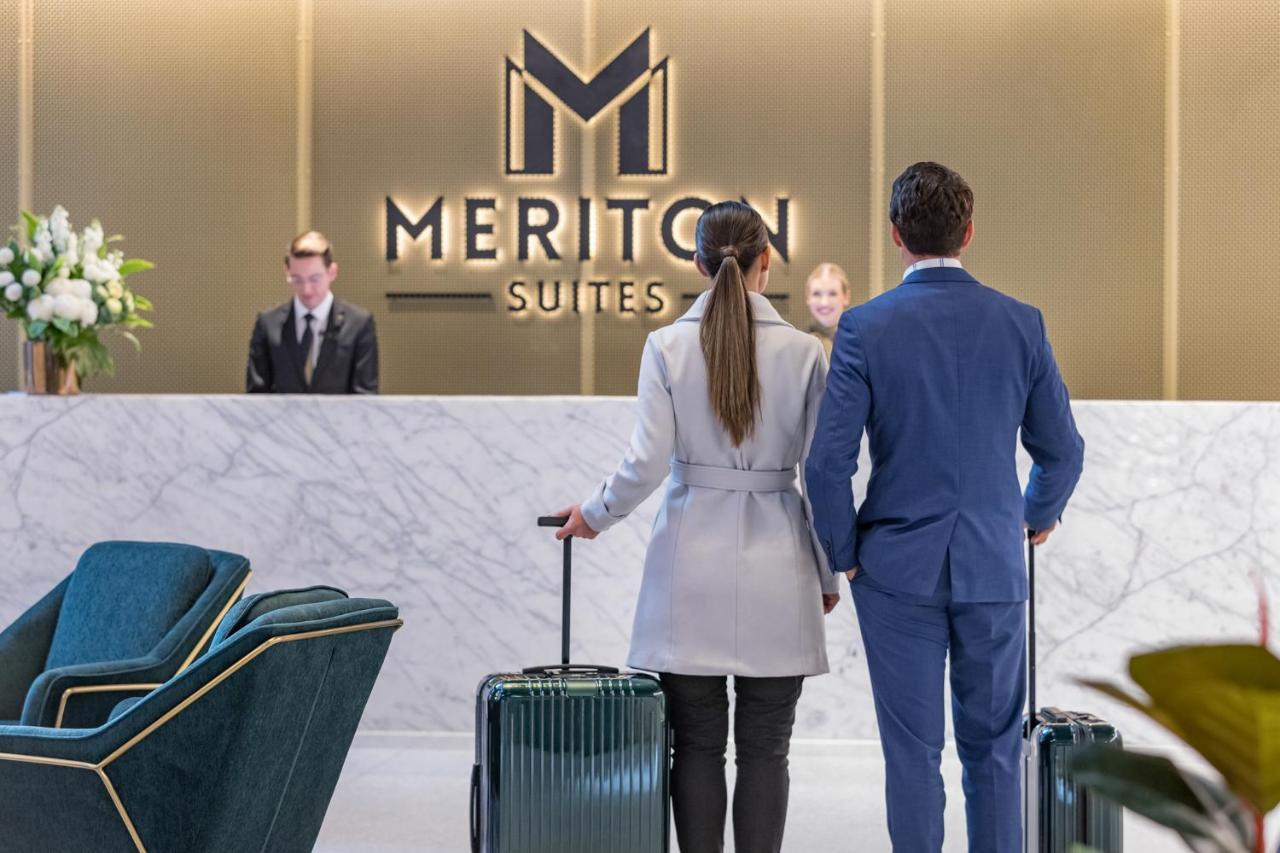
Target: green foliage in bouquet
point(1224, 702)
point(65, 288)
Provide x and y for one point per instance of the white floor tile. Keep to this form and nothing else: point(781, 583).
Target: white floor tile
point(410, 793)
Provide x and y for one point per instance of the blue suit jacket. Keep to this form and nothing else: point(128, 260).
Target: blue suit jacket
point(942, 372)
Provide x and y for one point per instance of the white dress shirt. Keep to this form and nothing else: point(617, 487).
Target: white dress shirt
point(928, 263)
point(318, 325)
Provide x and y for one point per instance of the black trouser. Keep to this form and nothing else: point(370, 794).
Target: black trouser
point(764, 715)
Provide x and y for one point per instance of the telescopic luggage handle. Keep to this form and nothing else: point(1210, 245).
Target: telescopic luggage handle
point(1031, 629)
point(561, 521)
point(570, 669)
point(565, 667)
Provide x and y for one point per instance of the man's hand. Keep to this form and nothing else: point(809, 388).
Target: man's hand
point(852, 573)
point(829, 601)
point(576, 525)
point(1040, 537)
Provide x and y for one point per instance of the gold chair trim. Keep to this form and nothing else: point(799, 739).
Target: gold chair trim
point(96, 688)
point(213, 626)
point(100, 767)
point(40, 759)
point(124, 815)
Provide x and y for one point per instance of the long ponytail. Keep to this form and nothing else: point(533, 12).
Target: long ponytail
point(730, 237)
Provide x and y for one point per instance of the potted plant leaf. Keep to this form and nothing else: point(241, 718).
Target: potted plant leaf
point(1223, 701)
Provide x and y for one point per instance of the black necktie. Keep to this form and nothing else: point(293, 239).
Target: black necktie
point(307, 338)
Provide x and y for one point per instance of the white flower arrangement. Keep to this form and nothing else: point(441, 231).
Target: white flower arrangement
point(65, 287)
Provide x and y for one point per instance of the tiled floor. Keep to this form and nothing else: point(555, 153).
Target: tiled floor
point(410, 793)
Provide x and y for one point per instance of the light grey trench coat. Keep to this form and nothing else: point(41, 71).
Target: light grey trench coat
point(733, 576)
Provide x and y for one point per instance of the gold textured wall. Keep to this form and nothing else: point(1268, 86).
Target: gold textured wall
point(1052, 110)
point(1229, 278)
point(10, 47)
point(1122, 153)
point(174, 124)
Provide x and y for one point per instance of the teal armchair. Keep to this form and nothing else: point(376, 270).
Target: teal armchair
point(240, 751)
point(129, 617)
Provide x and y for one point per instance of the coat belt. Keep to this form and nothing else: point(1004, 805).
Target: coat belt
point(731, 479)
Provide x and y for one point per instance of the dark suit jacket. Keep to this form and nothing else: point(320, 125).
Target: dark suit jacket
point(347, 363)
point(942, 373)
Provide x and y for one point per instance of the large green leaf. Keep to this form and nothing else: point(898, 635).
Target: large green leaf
point(1224, 701)
point(32, 223)
point(1208, 818)
point(52, 271)
point(134, 265)
point(1119, 693)
point(1244, 664)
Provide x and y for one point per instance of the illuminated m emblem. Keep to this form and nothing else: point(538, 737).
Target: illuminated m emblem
point(530, 119)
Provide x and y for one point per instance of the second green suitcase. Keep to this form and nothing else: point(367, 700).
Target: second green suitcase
point(1058, 812)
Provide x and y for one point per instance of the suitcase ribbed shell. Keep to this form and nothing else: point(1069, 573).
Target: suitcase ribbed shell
point(571, 763)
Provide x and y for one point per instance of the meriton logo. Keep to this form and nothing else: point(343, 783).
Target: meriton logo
point(531, 121)
point(553, 239)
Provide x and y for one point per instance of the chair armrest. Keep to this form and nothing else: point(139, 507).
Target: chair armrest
point(82, 696)
point(24, 648)
point(61, 745)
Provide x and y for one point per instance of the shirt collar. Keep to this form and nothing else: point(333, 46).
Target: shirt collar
point(320, 312)
point(931, 263)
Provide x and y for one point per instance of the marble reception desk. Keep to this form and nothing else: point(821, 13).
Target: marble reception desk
point(431, 503)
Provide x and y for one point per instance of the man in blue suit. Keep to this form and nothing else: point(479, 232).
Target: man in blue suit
point(942, 373)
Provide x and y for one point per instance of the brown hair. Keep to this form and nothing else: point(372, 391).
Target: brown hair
point(730, 236)
point(932, 206)
point(310, 244)
point(825, 270)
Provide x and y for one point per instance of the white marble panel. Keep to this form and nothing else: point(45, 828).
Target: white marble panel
point(431, 503)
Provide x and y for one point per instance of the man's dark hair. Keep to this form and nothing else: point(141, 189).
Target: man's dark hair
point(932, 206)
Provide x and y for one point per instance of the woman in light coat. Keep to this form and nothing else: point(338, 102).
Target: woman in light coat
point(734, 582)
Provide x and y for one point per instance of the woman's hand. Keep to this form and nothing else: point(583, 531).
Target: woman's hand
point(829, 601)
point(576, 525)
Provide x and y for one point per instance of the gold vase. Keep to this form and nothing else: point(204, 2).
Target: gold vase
point(43, 372)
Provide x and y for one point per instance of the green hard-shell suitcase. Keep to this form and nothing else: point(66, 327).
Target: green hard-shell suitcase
point(1058, 812)
point(570, 758)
